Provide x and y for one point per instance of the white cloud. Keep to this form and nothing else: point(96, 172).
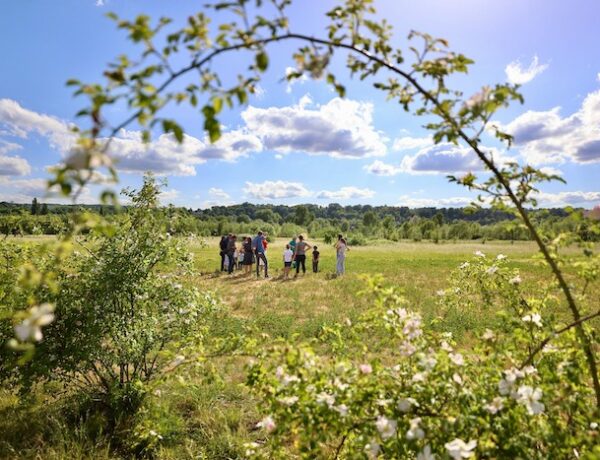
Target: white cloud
point(346, 193)
point(574, 198)
point(546, 137)
point(341, 128)
point(380, 168)
point(13, 165)
point(99, 2)
point(168, 196)
point(24, 190)
point(408, 143)
point(444, 158)
point(452, 202)
point(274, 190)
point(516, 74)
point(218, 193)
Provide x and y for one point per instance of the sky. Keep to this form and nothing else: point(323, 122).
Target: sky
point(300, 143)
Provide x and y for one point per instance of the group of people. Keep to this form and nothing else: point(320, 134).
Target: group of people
point(254, 250)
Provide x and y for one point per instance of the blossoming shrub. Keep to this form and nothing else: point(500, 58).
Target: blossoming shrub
point(425, 399)
point(120, 322)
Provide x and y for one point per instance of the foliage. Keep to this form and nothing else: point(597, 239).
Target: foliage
point(424, 395)
point(119, 319)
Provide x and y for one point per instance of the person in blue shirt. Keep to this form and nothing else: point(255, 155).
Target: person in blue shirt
point(259, 250)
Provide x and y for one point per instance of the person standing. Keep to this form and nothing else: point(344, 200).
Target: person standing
point(258, 247)
point(223, 253)
point(292, 244)
point(315, 259)
point(341, 247)
point(231, 250)
point(288, 256)
point(248, 256)
point(300, 254)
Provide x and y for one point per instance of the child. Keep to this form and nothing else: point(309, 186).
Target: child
point(315, 257)
point(240, 257)
point(288, 255)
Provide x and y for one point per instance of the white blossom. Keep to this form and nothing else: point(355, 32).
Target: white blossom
point(495, 406)
point(441, 293)
point(515, 280)
point(534, 318)
point(458, 449)
point(326, 398)
point(419, 377)
point(491, 270)
point(594, 426)
point(479, 254)
point(500, 257)
point(530, 397)
point(386, 427)
point(426, 454)
point(31, 327)
point(445, 346)
point(372, 449)
point(415, 431)
point(505, 385)
point(488, 334)
point(479, 97)
point(407, 349)
point(412, 327)
point(251, 448)
point(365, 368)
point(288, 400)
point(428, 362)
point(464, 265)
point(457, 379)
point(405, 404)
point(267, 423)
point(342, 409)
point(456, 358)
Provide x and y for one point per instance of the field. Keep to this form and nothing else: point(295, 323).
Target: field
point(212, 414)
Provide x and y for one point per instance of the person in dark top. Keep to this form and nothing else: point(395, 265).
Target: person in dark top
point(223, 247)
point(315, 258)
point(231, 253)
point(300, 254)
point(258, 247)
point(248, 256)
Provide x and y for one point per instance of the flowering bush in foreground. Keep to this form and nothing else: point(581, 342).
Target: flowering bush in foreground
point(425, 399)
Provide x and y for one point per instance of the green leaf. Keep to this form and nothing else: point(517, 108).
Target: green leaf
point(262, 61)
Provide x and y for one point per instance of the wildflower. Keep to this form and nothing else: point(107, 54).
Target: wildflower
point(458, 449)
point(456, 358)
point(464, 265)
point(491, 270)
point(267, 423)
point(488, 334)
point(441, 293)
point(372, 449)
point(505, 385)
point(157, 393)
point(428, 362)
point(516, 280)
point(251, 448)
point(419, 377)
point(289, 400)
point(339, 385)
point(479, 254)
point(415, 431)
point(342, 409)
point(457, 379)
point(534, 318)
point(405, 404)
point(445, 346)
point(31, 327)
point(529, 370)
point(287, 379)
point(386, 427)
point(178, 360)
point(426, 454)
point(495, 406)
point(478, 98)
point(530, 397)
point(326, 398)
point(593, 425)
point(407, 349)
point(365, 368)
point(412, 327)
point(154, 434)
point(500, 257)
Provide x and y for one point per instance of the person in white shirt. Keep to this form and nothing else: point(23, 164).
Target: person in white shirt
point(341, 247)
point(288, 256)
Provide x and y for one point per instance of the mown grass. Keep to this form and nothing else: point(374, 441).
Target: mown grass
point(211, 413)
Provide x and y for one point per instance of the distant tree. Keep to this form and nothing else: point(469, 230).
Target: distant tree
point(35, 207)
point(302, 216)
point(369, 219)
point(243, 219)
point(438, 219)
point(268, 215)
point(44, 209)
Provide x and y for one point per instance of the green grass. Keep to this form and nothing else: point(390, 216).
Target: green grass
point(212, 414)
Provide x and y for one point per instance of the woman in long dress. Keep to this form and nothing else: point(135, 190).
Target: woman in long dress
point(341, 247)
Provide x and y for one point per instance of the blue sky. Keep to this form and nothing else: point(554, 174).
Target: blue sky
point(299, 143)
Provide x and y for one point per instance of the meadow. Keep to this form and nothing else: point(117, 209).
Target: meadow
point(208, 412)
